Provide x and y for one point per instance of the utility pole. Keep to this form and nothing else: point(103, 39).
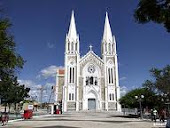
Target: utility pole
point(41, 89)
point(52, 91)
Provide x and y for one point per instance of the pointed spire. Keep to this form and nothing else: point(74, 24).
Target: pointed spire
point(72, 33)
point(107, 34)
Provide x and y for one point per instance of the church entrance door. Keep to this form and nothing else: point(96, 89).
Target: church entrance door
point(91, 104)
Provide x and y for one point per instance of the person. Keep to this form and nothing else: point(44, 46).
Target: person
point(162, 115)
point(154, 114)
point(4, 118)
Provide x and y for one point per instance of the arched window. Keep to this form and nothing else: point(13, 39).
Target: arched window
point(111, 96)
point(76, 47)
point(68, 46)
point(71, 75)
point(110, 71)
point(95, 82)
point(71, 96)
point(112, 48)
point(109, 48)
point(72, 46)
point(110, 75)
point(105, 47)
point(91, 80)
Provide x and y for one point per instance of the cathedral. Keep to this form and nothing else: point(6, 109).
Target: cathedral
point(89, 82)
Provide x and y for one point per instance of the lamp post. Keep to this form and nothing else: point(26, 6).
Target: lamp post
point(0, 95)
point(165, 99)
point(139, 98)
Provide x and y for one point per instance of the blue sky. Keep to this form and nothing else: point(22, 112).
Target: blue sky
point(40, 26)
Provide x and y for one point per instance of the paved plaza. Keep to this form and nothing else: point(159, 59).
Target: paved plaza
point(81, 120)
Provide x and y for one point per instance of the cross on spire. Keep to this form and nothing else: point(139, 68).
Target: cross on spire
point(90, 47)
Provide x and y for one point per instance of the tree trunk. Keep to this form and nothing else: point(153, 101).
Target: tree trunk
point(15, 107)
point(5, 107)
point(9, 106)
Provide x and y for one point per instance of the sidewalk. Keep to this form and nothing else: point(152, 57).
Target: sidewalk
point(36, 116)
point(19, 117)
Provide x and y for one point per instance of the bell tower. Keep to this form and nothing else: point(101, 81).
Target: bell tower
point(109, 56)
point(72, 56)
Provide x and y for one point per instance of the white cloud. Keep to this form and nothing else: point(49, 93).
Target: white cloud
point(48, 72)
point(29, 83)
point(123, 90)
point(50, 45)
point(120, 64)
point(49, 84)
point(134, 87)
point(123, 78)
point(35, 92)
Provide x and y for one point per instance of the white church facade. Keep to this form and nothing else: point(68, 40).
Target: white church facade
point(89, 82)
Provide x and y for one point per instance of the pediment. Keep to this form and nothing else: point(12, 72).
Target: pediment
point(91, 57)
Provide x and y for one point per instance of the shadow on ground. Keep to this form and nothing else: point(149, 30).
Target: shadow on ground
point(57, 126)
point(125, 116)
point(105, 121)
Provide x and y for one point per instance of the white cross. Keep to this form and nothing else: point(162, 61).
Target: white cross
point(90, 47)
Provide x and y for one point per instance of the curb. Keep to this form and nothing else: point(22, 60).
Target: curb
point(10, 121)
point(15, 120)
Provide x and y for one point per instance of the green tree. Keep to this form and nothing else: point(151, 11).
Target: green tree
point(10, 60)
point(130, 101)
point(160, 83)
point(157, 11)
point(5, 89)
point(12, 92)
point(17, 93)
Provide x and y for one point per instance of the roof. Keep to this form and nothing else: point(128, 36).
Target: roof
point(91, 55)
point(61, 71)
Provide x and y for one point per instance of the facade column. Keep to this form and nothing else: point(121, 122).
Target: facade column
point(56, 87)
point(65, 99)
point(52, 109)
point(77, 100)
point(118, 97)
point(106, 98)
point(77, 82)
point(117, 83)
point(99, 83)
point(106, 86)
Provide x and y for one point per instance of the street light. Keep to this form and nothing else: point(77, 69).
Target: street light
point(165, 99)
point(0, 95)
point(139, 98)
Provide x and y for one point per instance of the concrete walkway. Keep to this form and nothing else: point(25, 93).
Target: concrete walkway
point(81, 120)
